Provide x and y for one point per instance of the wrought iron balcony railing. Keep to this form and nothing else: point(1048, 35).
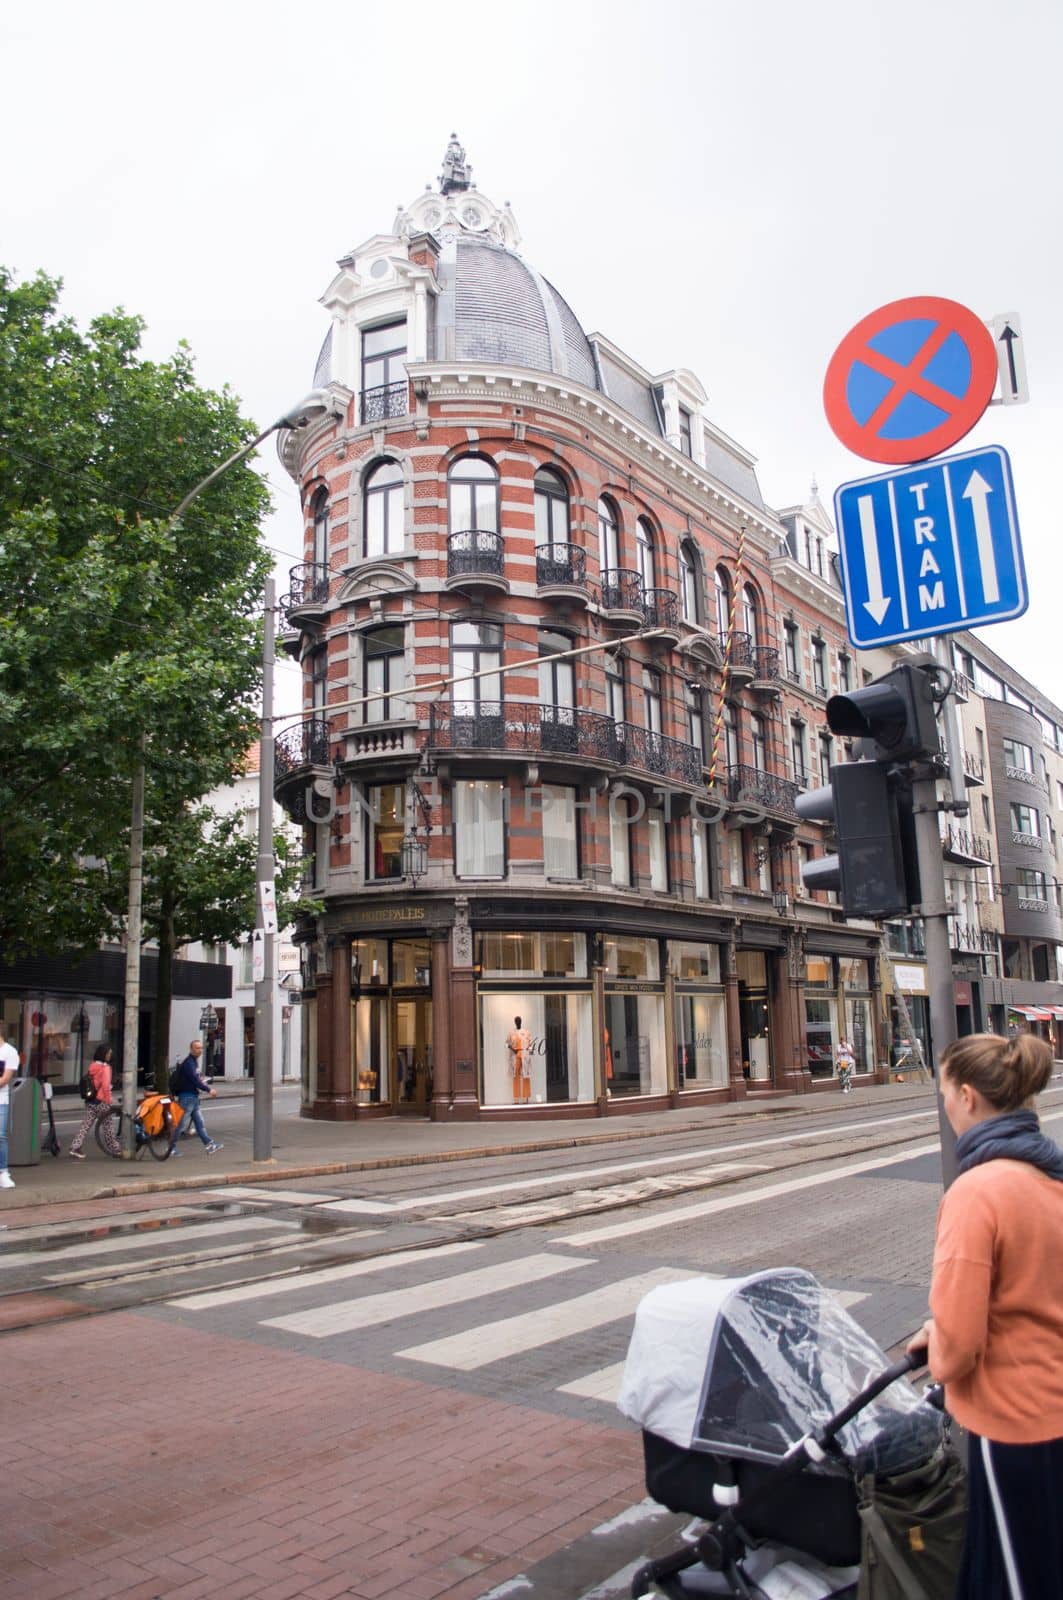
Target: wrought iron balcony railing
point(308, 586)
point(969, 936)
point(751, 785)
point(969, 846)
point(382, 404)
point(660, 607)
point(560, 564)
point(474, 552)
point(305, 745)
point(622, 591)
point(765, 663)
point(741, 652)
point(521, 727)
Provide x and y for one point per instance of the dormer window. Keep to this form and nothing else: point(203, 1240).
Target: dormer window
point(686, 443)
point(385, 392)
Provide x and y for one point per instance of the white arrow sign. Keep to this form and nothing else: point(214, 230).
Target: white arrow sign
point(978, 492)
point(876, 603)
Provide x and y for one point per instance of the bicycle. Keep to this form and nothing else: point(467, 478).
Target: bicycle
point(157, 1136)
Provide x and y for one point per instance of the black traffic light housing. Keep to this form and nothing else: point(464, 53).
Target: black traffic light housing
point(897, 712)
point(874, 871)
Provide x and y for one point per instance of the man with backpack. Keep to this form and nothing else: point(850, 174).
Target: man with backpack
point(186, 1085)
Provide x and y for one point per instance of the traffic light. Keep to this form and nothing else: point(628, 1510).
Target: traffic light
point(874, 871)
point(897, 712)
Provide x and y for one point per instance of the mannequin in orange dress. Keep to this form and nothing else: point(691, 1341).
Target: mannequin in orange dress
point(518, 1043)
point(608, 1060)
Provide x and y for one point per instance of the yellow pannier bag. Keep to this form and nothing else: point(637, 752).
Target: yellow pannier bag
point(152, 1112)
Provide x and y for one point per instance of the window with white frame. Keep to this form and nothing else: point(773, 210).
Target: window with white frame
point(385, 392)
point(551, 509)
point(758, 738)
point(845, 672)
point(560, 836)
point(1017, 755)
point(472, 488)
point(693, 700)
point(1032, 887)
point(479, 828)
point(689, 587)
point(722, 589)
point(798, 759)
point(685, 439)
point(657, 837)
point(385, 673)
point(608, 536)
point(819, 666)
point(1025, 820)
point(384, 829)
point(382, 504)
point(644, 553)
point(791, 654)
point(320, 515)
point(749, 612)
point(826, 756)
point(736, 861)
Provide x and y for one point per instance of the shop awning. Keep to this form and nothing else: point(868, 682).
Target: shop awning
point(1038, 1013)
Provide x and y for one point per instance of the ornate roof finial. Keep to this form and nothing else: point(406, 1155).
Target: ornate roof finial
point(814, 495)
point(456, 175)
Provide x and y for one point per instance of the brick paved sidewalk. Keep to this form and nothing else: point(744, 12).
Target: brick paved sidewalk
point(208, 1466)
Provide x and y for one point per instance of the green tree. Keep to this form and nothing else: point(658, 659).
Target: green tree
point(116, 625)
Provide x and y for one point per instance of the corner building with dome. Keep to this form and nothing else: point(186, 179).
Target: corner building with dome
point(547, 764)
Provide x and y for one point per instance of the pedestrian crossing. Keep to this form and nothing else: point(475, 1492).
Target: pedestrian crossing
point(453, 1309)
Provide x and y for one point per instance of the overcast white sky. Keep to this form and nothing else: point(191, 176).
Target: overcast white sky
point(727, 185)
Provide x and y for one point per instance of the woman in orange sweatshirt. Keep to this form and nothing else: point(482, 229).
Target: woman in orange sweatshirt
point(995, 1334)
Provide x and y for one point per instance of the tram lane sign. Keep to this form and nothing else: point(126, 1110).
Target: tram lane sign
point(931, 549)
point(910, 379)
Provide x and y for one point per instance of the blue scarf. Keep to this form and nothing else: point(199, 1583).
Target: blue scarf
point(1013, 1136)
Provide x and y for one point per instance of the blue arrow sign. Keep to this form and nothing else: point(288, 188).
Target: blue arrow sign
point(931, 549)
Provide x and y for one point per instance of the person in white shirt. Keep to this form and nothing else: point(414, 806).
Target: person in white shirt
point(9, 1064)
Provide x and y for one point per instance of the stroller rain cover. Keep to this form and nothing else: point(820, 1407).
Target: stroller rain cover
point(745, 1367)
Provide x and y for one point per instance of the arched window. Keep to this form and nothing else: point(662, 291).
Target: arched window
point(472, 483)
point(608, 536)
point(723, 601)
point(749, 612)
point(551, 509)
point(319, 514)
point(382, 499)
point(644, 553)
point(688, 577)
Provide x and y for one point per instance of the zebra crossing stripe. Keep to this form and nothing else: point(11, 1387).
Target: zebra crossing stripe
point(601, 1385)
point(292, 1283)
point(496, 1341)
point(265, 1191)
point(349, 1315)
point(150, 1239)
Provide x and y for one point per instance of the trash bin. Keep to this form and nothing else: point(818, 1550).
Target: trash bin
point(24, 1122)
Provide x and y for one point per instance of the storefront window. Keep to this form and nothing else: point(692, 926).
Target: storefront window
point(858, 1019)
point(633, 1043)
point(695, 960)
point(57, 1035)
point(536, 1048)
point(819, 972)
point(700, 1041)
point(369, 962)
point(551, 955)
point(371, 1050)
point(411, 963)
point(631, 958)
point(855, 973)
point(819, 1035)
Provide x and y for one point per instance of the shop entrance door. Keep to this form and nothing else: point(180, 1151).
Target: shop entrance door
point(754, 1015)
point(411, 1040)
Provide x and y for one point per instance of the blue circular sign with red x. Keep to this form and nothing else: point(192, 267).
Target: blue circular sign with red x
point(910, 379)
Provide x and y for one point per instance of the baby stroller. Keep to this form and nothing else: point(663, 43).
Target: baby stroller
point(765, 1410)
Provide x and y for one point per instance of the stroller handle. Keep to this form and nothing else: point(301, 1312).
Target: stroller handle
point(899, 1369)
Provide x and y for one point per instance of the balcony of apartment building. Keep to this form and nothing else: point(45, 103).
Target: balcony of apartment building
point(745, 785)
point(620, 596)
point(971, 937)
point(384, 403)
point(306, 603)
point(561, 574)
point(960, 844)
point(973, 770)
point(476, 562)
point(302, 758)
point(508, 734)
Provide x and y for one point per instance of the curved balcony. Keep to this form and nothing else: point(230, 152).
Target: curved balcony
point(621, 595)
point(766, 676)
point(475, 561)
point(660, 610)
point(749, 786)
point(522, 729)
point(299, 753)
point(969, 936)
point(561, 572)
point(308, 591)
point(741, 659)
point(385, 403)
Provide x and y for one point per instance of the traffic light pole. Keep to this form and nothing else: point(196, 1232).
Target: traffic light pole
point(935, 916)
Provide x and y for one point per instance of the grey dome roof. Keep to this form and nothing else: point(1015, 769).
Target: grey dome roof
point(495, 307)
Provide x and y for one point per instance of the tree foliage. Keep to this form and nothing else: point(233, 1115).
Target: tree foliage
point(116, 624)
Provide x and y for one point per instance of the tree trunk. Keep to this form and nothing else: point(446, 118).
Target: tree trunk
point(164, 996)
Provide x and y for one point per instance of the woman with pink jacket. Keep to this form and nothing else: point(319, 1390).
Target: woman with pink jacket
point(100, 1071)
